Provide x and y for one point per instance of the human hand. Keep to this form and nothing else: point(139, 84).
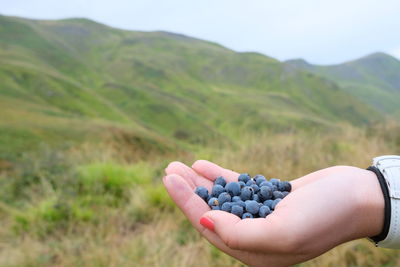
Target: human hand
point(324, 209)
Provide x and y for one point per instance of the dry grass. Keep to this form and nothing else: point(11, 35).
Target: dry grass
point(291, 155)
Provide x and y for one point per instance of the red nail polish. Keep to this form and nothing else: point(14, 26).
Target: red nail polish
point(207, 223)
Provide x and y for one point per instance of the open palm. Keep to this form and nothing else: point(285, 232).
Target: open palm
point(322, 211)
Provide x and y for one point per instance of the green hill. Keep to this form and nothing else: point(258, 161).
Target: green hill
point(374, 79)
point(75, 79)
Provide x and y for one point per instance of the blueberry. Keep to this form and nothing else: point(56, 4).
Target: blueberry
point(281, 186)
point(221, 181)
point(241, 203)
point(289, 187)
point(213, 202)
point(252, 207)
point(244, 177)
point(274, 181)
point(224, 197)
point(256, 197)
point(236, 199)
point(259, 179)
point(247, 215)
point(277, 194)
point(215, 208)
point(202, 192)
point(227, 206)
point(285, 193)
point(255, 188)
point(268, 203)
point(233, 188)
point(265, 183)
point(242, 184)
point(266, 192)
point(276, 201)
point(250, 182)
point(285, 186)
point(264, 211)
point(217, 190)
point(237, 210)
point(246, 193)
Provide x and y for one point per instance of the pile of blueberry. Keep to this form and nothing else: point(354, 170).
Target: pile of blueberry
point(248, 198)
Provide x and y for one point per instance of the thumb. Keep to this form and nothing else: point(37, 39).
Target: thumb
point(223, 224)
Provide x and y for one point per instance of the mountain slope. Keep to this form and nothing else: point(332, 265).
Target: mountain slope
point(374, 79)
point(157, 85)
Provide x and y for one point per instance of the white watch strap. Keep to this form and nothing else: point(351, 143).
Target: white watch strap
point(389, 166)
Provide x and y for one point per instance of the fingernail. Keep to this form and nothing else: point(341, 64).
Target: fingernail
point(207, 223)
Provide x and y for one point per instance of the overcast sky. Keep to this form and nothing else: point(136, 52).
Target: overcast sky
point(322, 32)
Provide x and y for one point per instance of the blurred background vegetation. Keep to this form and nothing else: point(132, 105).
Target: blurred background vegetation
point(91, 115)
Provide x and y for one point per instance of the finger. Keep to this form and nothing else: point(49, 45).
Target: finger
point(190, 176)
point(194, 207)
point(191, 204)
point(253, 235)
point(211, 171)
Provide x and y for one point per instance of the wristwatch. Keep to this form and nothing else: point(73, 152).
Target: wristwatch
point(387, 169)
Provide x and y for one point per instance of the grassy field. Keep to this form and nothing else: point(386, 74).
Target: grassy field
point(87, 205)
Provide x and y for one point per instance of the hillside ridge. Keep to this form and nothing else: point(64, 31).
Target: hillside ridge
point(164, 85)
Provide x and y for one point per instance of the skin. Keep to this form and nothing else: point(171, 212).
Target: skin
point(325, 208)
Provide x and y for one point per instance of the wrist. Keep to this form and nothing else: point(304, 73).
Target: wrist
point(370, 205)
